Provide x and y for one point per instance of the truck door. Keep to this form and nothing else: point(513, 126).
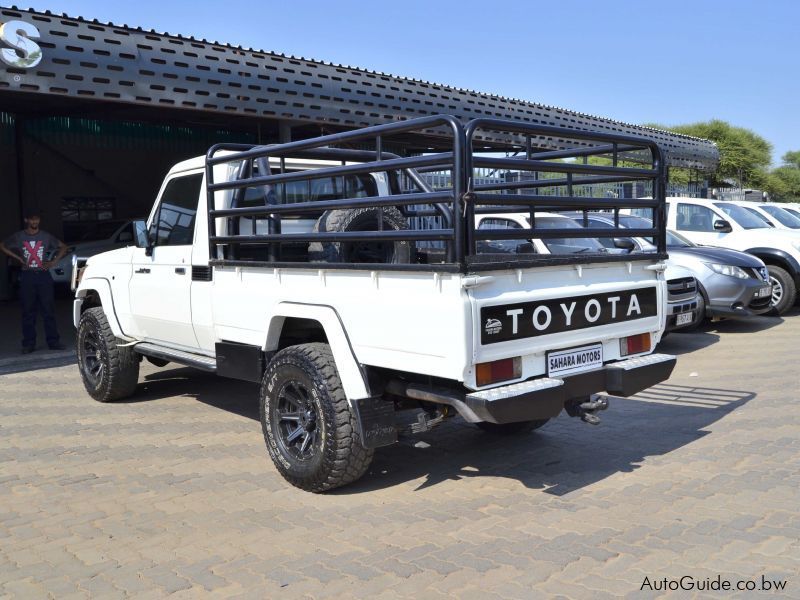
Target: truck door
point(160, 285)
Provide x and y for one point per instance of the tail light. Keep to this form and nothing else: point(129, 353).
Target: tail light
point(498, 370)
point(634, 344)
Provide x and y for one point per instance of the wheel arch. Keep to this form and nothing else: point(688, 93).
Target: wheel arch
point(319, 319)
point(96, 292)
point(779, 258)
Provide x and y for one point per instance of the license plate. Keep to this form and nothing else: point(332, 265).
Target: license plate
point(764, 292)
point(683, 319)
point(574, 360)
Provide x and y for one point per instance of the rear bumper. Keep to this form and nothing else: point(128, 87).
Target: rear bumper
point(544, 398)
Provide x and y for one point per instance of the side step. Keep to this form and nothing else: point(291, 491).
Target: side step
point(198, 361)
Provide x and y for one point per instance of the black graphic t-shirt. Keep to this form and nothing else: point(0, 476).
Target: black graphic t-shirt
point(33, 248)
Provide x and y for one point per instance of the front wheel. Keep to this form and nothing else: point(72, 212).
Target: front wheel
point(308, 426)
point(783, 290)
point(109, 371)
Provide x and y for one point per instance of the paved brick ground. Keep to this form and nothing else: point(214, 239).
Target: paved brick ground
point(172, 492)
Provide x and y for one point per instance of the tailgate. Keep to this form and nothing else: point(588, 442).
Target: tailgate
point(533, 312)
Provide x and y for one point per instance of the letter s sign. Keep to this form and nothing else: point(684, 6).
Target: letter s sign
point(24, 52)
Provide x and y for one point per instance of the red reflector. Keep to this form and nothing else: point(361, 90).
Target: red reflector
point(634, 344)
point(498, 370)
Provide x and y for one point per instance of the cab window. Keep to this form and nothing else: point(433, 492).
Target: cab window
point(174, 222)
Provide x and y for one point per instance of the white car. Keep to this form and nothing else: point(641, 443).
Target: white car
point(778, 216)
point(728, 225)
point(105, 236)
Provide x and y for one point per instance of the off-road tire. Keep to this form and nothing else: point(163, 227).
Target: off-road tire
point(337, 456)
point(788, 290)
point(111, 372)
point(361, 219)
point(511, 428)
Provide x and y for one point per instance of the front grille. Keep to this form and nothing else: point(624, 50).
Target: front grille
point(758, 272)
point(683, 288)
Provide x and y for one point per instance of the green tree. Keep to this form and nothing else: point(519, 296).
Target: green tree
point(745, 156)
point(783, 183)
point(792, 159)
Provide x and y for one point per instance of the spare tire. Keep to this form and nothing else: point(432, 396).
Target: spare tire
point(364, 251)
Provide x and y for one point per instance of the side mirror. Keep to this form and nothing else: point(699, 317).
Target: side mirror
point(722, 226)
point(625, 244)
point(525, 248)
point(140, 231)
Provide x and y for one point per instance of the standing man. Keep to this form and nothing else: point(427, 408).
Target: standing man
point(29, 247)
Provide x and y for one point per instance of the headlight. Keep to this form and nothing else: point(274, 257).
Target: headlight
point(729, 270)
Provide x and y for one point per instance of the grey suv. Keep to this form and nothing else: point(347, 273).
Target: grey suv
point(732, 283)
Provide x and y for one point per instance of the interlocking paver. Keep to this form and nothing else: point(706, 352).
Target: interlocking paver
point(173, 492)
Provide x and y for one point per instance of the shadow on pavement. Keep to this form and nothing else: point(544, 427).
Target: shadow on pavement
point(563, 456)
point(685, 341)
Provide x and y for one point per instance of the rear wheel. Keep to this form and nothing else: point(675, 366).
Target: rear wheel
point(783, 290)
point(511, 428)
point(308, 426)
point(109, 372)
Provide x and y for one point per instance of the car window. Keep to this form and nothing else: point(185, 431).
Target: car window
point(502, 246)
point(694, 217)
point(600, 224)
point(792, 211)
point(675, 240)
point(499, 224)
point(177, 211)
point(571, 245)
point(742, 216)
point(759, 216)
point(782, 216)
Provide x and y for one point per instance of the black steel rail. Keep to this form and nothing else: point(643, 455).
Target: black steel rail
point(531, 184)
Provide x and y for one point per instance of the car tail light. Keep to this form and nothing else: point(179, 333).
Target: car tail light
point(498, 370)
point(634, 344)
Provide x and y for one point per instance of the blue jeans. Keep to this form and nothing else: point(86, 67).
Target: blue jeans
point(36, 295)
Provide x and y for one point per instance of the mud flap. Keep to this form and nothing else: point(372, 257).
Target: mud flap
point(375, 422)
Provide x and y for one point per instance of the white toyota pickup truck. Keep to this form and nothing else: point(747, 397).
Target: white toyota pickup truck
point(366, 302)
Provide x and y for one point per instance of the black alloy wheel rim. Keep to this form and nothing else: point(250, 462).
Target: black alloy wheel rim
point(92, 356)
point(297, 421)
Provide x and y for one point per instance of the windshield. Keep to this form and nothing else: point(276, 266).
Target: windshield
point(782, 216)
point(675, 240)
point(567, 245)
point(741, 216)
point(793, 211)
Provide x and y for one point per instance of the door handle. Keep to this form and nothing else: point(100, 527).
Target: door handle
point(180, 270)
point(142, 270)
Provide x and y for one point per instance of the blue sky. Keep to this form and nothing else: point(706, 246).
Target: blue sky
point(669, 62)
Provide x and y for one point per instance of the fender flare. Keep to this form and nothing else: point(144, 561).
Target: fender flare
point(354, 380)
point(103, 289)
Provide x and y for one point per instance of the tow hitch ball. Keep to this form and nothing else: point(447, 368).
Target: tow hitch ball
point(587, 408)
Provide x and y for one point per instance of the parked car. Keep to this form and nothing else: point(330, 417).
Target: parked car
point(726, 224)
point(684, 303)
point(106, 235)
point(779, 217)
point(731, 283)
point(791, 208)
